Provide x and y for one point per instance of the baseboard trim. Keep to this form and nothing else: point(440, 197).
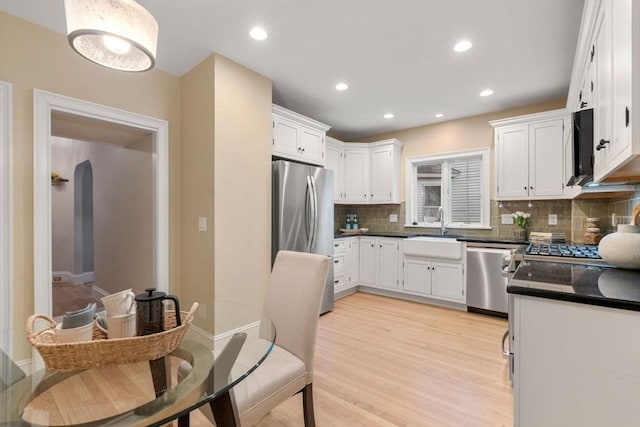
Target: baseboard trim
point(220, 340)
point(414, 298)
point(75, 279)
point(345, 293)
point(26, 365)
point(99, 290)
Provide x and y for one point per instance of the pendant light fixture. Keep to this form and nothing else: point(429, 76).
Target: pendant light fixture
point(119, 34)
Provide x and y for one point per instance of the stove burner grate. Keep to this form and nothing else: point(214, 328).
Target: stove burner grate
point(565, 251)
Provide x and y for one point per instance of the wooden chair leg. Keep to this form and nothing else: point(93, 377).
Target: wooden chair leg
point(307, 404)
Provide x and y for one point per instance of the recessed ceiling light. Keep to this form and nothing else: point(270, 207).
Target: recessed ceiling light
point(258, 33)
point(486, 92)
point(342, 86)
point(388, 116)
point(462, 46)
point(439, 115)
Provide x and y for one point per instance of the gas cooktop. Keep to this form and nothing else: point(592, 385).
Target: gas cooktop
point(561, 252)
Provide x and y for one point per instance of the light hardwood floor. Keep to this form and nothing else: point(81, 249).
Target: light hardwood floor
point(387, 362)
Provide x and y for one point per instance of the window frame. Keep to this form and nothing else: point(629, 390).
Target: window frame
point(411, 170)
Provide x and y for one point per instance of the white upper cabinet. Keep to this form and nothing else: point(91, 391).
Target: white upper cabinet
point(297, 137)
point(365, 173)
point(530, 156)
point(356, 174)
point(336, 162)
point(384, 171)
point(608, 57)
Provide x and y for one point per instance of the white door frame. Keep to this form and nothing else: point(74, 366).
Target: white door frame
point(6, 217)
point(44, 103)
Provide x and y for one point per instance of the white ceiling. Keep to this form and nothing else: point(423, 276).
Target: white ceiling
point(396, 55)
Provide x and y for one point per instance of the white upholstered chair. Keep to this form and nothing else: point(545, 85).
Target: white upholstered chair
point(293, 300)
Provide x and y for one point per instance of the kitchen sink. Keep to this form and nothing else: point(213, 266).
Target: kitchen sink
point(434, 247)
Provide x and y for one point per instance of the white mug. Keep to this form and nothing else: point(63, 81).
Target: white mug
point(123, 326)
point(120, 303)
point(81, 333)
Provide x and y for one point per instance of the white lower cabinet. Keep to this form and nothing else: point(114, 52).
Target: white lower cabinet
point(345, 264)
point(379, 262)
point(437, 279)
point(574, 364)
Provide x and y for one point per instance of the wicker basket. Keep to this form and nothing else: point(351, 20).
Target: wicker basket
point(101, 351)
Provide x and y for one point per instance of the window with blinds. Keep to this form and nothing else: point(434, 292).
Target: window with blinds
point(453, 188)
point(466, 190)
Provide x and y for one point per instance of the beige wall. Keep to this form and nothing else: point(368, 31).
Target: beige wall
point(197, 186)
point(34, 57)
point(456, 135)
point(226, 177)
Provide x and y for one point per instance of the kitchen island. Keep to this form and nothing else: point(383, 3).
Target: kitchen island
point(575, 345)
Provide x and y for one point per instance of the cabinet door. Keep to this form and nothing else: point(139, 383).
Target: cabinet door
point(417, 276)
point(381, 168)
point(356, 175)
point(353, 262)
point(448, 281)
point(387, 263)
point(367, 261)
point(285, 138)
point(622, 82)
point(603, 90)
point(513, 164)
point(335, 162)
point(312, 146)
point(546, 159)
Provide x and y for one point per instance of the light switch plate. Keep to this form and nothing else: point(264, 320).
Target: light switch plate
point(507, 219)
point(393, 218)
point(202, 223)
point(553, 219)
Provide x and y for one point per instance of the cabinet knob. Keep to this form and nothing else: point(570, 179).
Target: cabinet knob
point(602, 144)
point(371, 195)
point(525, 187)
point(336, 261)
point(583, 104)
point(336, 281)
point(530, 188)
point(372, 245)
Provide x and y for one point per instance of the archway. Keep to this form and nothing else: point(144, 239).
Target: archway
point(83, 220)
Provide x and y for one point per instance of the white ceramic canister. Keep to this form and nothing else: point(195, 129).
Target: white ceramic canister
point(622, 248)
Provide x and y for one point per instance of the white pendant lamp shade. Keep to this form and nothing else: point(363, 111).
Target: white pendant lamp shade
point(118, 34)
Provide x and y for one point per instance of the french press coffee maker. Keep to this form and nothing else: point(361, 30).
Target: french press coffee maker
point(150, 311)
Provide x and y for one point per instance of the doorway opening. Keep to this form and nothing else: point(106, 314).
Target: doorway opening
point(76, 123)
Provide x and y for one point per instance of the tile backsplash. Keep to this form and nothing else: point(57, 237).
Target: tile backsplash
point(571, 217)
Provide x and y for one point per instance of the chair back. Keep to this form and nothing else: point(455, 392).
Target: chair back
point(293, 301)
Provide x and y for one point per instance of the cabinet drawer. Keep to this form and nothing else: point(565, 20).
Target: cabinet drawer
point(339, 245)
point(338, 264)
point(339, 283)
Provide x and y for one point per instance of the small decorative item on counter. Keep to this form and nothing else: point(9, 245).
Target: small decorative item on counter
point(520, 220)
point(348, 224)
point(592, 233)
point(354, 225)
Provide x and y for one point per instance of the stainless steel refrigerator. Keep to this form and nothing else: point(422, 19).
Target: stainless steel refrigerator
point(302, 214)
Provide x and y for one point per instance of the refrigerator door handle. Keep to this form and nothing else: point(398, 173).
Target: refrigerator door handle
point(309, 212)
point(314, 213)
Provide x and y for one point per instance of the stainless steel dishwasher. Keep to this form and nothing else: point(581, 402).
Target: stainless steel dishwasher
point(489, 266)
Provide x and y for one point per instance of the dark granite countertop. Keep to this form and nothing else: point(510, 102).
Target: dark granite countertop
point(446, 236)
point(377, 234)
point(580, 283)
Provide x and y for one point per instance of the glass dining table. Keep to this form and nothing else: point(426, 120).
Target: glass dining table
point(202, 370)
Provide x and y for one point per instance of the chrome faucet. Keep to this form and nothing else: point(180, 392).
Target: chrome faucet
point(443, 229)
